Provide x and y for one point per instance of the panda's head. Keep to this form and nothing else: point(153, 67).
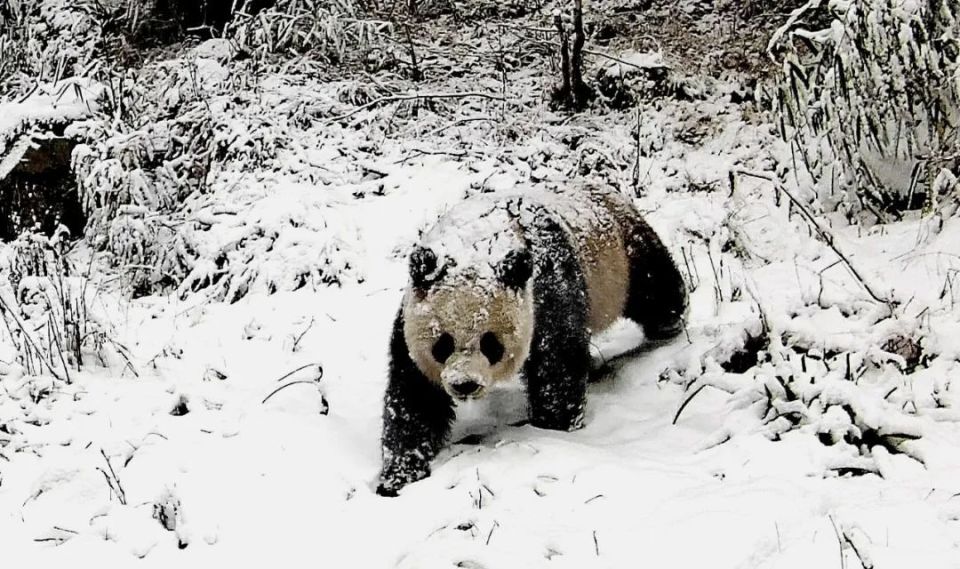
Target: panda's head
point(468, 329)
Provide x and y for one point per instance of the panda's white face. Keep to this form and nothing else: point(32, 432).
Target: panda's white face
point(468, 334)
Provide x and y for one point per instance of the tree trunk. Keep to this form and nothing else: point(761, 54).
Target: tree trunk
point(580, 92)
point(573, 93)
point(565, 95)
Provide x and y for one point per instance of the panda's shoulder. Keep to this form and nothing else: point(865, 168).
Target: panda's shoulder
point(579, 209)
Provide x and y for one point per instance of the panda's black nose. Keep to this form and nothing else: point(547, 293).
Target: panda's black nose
point(465, 388)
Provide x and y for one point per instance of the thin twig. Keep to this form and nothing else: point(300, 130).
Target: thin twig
point(113, 482)
point(866, 563)
point(623, 61)
point(636, 166)
point(301, 368)
point(59, 347)
point(284, 386)
point(417, 153)
point(843, 560)
point(416, 74)
point(299, 337)
point(459, 122)
point(493, 527)
point(686, 402)
point(414, 97)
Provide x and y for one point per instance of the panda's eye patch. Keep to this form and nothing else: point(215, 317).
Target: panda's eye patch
point(443, 348)
point(491, 347)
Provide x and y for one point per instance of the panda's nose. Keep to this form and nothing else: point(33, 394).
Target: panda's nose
point(466, 387)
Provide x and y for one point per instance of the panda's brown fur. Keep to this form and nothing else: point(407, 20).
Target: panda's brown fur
point(537, 271)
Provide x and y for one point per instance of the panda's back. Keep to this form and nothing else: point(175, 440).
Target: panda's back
point(477, 233)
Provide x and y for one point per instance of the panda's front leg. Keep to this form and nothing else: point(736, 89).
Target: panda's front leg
point(416, 419)
point(556, 373)
point(559, 362)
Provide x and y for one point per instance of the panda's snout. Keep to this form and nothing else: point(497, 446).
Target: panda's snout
point(465, 388)
point(463, 377)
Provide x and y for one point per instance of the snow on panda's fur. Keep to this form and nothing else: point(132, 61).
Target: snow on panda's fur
point(505, 284)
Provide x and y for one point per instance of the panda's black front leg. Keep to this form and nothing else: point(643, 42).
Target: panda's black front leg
point(416, 419)
point(556, 372)
point(559, 362)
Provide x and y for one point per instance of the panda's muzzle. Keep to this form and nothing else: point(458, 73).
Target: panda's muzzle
point(462, 379)
point(463, 387)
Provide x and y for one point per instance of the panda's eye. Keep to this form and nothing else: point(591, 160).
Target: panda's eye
point(443, 348)
point(491, 347)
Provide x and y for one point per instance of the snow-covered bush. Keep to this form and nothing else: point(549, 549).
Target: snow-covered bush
point(49, 40)
point(49, 312)
point(329, 30)
point(870, 103)
point(135, 174)
point(861, 402)
point(173, 187)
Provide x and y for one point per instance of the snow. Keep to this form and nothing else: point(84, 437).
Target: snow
point(58, 104)
point(68, 100)
point(476, 235)
point(631, 61)
point(734, 475)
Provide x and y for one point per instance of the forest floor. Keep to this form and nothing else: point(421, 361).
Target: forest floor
point(799, 422)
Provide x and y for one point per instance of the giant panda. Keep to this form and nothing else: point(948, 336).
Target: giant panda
point(514, 284)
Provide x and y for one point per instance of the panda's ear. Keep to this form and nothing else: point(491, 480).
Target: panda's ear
point(423, 268)
point(515, 269)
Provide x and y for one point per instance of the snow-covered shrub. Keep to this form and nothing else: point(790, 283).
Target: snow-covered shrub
point(860, 398)
point(132, 182)
point(329, 30)
point(282, 242)
point(870, 103)
point(637, 75)
point(48, 310)
point(50, 40)
point(176, 193)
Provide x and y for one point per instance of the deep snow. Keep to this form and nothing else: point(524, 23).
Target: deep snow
point(241, 481)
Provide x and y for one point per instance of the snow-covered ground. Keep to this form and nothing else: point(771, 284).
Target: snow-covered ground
point(830, 451)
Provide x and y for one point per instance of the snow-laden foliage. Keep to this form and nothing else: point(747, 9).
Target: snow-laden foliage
point(818, 391)
point(870, 102)
point(49, 40)
point(861, 404)
point(329, 30)
point(178, 141)
point(50, 311)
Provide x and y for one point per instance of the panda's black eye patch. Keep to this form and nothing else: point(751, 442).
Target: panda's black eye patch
point(491, 347)
point(443, 348)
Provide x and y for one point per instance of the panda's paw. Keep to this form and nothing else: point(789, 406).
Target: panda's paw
point(554, 422)
point(395, 478)
point(656, 336)
point(390, 486)
point(387, 491)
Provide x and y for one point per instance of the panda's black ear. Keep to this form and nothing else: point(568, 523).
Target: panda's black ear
point(515, 269)
point(423, 268)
